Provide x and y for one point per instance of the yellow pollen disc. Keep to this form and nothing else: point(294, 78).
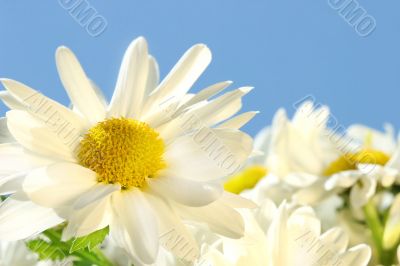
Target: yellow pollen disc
point(124, 151)
point(350, 161)
point(247, 179)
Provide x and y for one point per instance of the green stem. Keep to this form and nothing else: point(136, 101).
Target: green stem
point(386, 257)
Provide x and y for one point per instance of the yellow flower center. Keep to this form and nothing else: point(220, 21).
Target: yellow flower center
point(124, 151)
point(350, 161)
point(247, 179)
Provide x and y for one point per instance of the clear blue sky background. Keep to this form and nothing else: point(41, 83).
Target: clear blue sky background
point(286, 49)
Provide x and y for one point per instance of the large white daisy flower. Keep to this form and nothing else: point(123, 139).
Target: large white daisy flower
point(285, 236)
point(141, 164)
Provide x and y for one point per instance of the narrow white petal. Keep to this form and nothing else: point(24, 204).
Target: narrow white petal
point(59, 185)
point(173, 234)
point(208, 154)
point(357, 256)
point(138, 218)
point(5, 135)
point(98, 192)
point(50, 112)
point(23, 219)
point(153, 77)
point(89, 219)
point(238, 121)
point(14, 159)
point(208, 92)
point(10, 101)
point(181, 78)
point(38, 138)
point(78, 86)
point(132, 81)
point(211, 216)
point(185, 191)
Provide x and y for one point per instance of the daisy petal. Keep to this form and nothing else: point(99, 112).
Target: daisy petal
point(23, 219)
point(238, 121)
point(357, 256)
point(173, 234)
point(132, 80)
point(98, 192)
point(181, 78)
point(136, 215)
point(153, 77)
point(78, 86)
point(89, 219)
point(38, 138)
point(10, 101)
point(59, 184)
point(5, 135)
point(14, 159)
point(211, 215)
point(185, 191)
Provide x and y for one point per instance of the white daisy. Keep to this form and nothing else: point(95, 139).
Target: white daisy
point(286, 236)
point(296, 152)
point(375, 162)
point(140, 165)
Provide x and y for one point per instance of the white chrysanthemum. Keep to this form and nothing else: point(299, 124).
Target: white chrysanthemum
point(375, 162)
point(142, 164)
point(286, 236)
point(296, 153)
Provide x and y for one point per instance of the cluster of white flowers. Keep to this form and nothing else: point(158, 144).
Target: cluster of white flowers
point(161, 176)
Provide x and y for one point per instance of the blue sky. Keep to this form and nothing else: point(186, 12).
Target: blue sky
point(285, 49)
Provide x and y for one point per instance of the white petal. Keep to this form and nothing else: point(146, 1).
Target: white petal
point(205, 115)
point(153, 77)
point(51, 113)
point(78, 86)
point(208, 92)
point(363, 191)
point(343, 179)
point(185, 191)
point(58, 185)
point(23, 219)
point(211, 216)
point(13, 184)
point(357, 256)
point(208, 155)
point(136, 215)
point(5, 135)
point(181, 78)
point(336, 239)
point(89, 219)
point(96, 193)
point(38, 138)
point(15, 160)
point(10, 101)
point(173, 234)
point(132, 80)
point(238, 121)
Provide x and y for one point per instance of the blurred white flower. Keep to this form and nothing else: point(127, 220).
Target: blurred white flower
point(375, 162)
point(17, 254)
point(296, 153)
point(285, 236)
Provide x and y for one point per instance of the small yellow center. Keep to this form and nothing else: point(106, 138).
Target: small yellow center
point(247, 179)
point(350, 161)
point(124, 151)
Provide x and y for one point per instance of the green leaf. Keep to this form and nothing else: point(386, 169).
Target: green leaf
point(90, 241)
point(45, 250)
